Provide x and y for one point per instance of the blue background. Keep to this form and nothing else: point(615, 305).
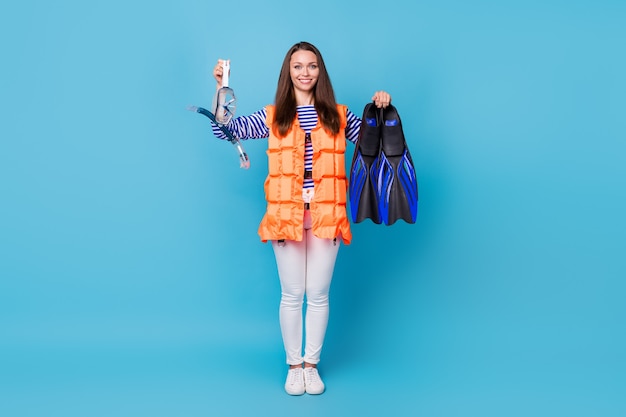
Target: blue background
point(132, 278)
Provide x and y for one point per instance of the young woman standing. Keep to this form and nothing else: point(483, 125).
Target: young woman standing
point(305, 190)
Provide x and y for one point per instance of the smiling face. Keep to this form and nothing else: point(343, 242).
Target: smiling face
point(304, 80)
point(304, 71)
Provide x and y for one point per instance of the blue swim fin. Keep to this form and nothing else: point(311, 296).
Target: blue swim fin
point(364, 168)
point(396, 180)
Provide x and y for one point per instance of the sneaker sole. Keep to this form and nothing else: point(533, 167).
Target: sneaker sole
point(315, 393)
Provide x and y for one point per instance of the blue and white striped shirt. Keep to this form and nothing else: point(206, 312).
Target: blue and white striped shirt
point(254, 127)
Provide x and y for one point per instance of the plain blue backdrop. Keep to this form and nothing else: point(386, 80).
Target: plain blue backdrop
point(132, 280)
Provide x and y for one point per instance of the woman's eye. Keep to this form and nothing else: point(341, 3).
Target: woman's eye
point(298, 67)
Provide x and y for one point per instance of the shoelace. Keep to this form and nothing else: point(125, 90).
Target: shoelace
point(311, 375)
point(295, 376)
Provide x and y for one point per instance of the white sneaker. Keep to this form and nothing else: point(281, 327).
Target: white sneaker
point(295, 382)
point(312, 381)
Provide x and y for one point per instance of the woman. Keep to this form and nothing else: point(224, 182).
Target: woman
point(306, 199)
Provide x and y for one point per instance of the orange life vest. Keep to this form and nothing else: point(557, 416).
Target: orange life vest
point(283, 186)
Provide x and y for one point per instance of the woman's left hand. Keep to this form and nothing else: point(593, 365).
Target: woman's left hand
point(381, 99)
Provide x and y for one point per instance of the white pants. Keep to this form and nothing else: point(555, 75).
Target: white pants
point(305, 268)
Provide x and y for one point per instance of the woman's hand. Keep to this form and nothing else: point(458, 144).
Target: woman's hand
point(218, 72)
point(381, 99)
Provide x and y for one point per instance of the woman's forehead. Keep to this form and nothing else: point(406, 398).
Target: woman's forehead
point(303, 56)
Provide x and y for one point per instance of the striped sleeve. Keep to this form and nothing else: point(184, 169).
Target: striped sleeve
point(353, 125)
point(246, 127)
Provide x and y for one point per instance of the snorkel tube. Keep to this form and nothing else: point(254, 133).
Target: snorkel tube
point(224, 105)
point(244, 161)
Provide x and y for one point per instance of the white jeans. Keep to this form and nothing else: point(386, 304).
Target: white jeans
point(305, 268)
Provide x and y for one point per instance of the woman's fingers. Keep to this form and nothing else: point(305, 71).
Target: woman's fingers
point(381, 98)
point(218, 70)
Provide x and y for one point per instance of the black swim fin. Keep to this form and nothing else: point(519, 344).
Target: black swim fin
point(361, 188)
point(396, 181)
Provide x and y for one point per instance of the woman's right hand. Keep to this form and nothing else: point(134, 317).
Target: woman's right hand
point(218, 72)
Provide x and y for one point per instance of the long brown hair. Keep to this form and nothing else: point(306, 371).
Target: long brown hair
point(323, 94)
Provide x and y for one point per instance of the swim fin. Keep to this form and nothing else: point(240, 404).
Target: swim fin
point(363, 171)
point(396, 182)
